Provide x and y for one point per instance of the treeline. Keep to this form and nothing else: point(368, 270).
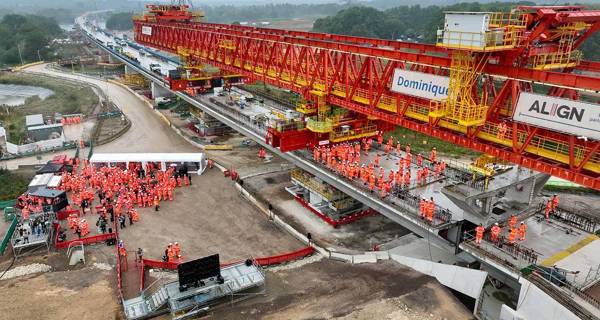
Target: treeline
point(120, 21)
point(416, 23)
point(27, 34)
point(229, 14)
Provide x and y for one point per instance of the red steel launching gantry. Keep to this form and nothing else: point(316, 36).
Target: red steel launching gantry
point(511, 85)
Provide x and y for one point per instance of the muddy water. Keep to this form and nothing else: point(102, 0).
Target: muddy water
point(15, 95)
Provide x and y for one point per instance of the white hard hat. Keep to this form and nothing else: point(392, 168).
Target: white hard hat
point(170, 243)
point(496, 223)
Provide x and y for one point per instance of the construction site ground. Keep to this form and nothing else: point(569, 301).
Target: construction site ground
point(208, 217)
point(80, 292)
point(328, 289)
point(357, 236)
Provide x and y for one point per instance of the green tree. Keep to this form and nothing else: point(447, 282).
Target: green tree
point(28, 33)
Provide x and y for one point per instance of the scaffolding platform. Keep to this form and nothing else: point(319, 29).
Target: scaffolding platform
point(238, 279)
point(33, 241)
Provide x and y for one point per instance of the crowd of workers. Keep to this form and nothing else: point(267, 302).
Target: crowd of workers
point(345, 159)
point(120, 191)
point(514, 233)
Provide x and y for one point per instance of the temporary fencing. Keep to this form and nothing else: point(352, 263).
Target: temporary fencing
point(87, 240)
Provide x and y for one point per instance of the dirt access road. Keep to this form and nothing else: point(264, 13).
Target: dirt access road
point(148, 132)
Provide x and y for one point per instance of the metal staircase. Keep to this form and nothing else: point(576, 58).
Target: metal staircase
point(164, 296)
point(150, 303)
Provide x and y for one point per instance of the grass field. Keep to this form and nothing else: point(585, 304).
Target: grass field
point(12, 184)
point(68, 98)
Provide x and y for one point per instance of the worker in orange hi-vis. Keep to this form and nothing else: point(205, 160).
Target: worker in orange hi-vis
point(479, 234)
point(84, 227)
point(380, 139)
point(170, 253)
point(135, 216)
point(422, 209)
point(512, 221)
point(407, 148)
point(377, 159)
point(209, 163)
point(372, 183)
point(391, 177)
point(436, 170)
point(548, 209)
point(433, 155)
point(122, 251)
point(495, 232)
point(25, 213)
point(407, 178)
point(429, 211)
point(522, 231)
point(179, 182)
point(419, 159)
point(554, 202)
point(512, 236)
point(399, 175)
point(398, 149)
point(502, 128)
point(177, 250)
point(186, 180)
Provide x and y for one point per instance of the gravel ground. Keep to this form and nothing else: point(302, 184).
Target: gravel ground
point(327, 289)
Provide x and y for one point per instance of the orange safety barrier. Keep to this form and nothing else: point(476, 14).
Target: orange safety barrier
point(263, 262)
point(62, 215)
point(86, 240)
point(286, 257)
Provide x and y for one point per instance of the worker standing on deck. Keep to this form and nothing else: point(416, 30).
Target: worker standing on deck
point(479, 234)
point(422, 203)
point(522, 230)
point(433, 155)
point(495, 232)
point(431, 209)
point(502, 128)
point(512, 221)
point(547, 210)
point(512, 236)
point(419, 160)
point(554, 202)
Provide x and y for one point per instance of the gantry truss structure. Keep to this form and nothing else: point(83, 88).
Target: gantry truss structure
point(346, 81)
